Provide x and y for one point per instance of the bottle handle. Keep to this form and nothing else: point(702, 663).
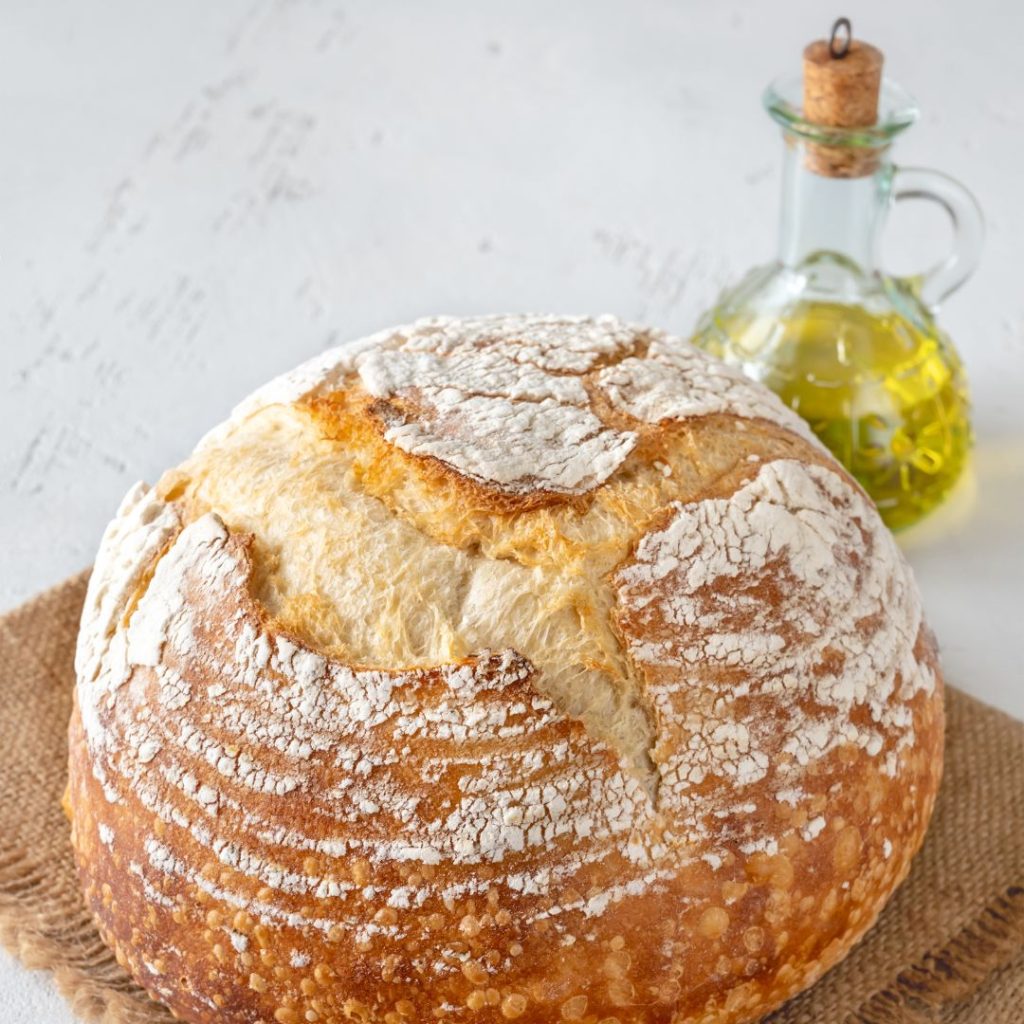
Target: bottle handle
point(937, 283)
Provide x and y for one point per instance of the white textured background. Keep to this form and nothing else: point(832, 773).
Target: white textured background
point(196, 195)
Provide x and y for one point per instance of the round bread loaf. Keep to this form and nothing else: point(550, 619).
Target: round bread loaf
point(531, 668)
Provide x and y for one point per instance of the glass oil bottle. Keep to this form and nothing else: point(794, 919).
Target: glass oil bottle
point(857, 352)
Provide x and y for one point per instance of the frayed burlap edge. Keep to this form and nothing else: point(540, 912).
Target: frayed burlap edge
point(83, 969)
point(954, 973)
point(894, 977)
point(43, 920)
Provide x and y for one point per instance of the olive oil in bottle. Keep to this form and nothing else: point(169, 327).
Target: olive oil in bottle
point(887, 397)
point(853, 350)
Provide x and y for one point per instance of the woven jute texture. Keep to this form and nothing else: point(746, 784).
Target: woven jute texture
point(949, 948)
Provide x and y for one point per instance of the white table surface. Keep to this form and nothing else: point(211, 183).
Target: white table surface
point(195, 196)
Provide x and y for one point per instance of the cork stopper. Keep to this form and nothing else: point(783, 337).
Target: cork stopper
point(842, 78)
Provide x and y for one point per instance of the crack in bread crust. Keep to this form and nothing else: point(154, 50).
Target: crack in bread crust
point(553, 561)
point(344, 588)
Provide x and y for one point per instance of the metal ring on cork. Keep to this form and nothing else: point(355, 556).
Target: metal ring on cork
point(842, 25)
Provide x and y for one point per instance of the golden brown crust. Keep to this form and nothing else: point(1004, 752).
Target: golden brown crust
point(267, 831)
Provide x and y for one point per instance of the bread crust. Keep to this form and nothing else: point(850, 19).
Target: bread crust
point(267, 831)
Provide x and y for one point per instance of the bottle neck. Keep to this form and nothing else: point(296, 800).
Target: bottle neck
point(839, 216)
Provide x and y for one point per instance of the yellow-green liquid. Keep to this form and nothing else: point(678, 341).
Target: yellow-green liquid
point(887, 397)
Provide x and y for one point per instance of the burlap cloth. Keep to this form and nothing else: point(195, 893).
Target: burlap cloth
point(949, 948)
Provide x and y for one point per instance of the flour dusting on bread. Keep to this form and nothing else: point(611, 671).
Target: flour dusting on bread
point(774, 626)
